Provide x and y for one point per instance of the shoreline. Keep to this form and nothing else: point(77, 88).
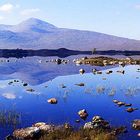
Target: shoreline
point(62, 52)
point(97, 128)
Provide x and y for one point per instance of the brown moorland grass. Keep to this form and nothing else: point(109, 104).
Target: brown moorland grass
point(81, 134)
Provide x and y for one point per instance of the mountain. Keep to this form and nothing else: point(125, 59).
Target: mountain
point(37, 34)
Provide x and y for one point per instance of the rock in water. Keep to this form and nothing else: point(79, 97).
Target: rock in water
point(115, 101)
point(81, 71)
point(120, 103)
point(52, 101)
point(43, 127)
point(136, 124)
point(97, 122)
point(80, 84)
point(126, 105)
point(83, 114)
point(109, 72)
point(26, 133)
point(130, 109)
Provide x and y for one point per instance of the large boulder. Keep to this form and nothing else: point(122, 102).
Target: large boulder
point(43, 127)
point(27, 133)
point(136, 124)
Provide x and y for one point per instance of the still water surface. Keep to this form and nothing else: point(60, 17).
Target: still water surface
point(47, 78)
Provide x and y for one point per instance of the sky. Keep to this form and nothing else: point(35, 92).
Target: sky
point(115, 17)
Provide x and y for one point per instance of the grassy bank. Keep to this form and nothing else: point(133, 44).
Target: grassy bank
point(81, 134)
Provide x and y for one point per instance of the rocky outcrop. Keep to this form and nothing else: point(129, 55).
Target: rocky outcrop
point(26, 133)
point(34, 132)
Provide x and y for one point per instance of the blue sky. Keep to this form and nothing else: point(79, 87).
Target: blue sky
point(116, 17)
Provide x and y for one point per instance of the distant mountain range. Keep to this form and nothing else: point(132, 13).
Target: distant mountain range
point(37, 34)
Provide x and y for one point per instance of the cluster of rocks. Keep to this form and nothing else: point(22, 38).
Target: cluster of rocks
point(57, 61)
point(4, 60)
point(60, 61)
point(104, 61)
point(95, 71)
point(36, 131)
point(97, 122)
point(129, 109)
point(13, 81)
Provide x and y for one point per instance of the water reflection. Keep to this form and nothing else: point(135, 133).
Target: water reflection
point(37, 70)
point(48, 80)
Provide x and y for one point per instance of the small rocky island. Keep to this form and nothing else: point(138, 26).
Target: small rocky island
point(105, 61)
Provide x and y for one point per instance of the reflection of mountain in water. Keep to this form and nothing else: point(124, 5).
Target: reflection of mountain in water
point(33, 72)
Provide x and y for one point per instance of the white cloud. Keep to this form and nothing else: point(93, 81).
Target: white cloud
point(1, 18)
point(6, 7)
point(28, 12)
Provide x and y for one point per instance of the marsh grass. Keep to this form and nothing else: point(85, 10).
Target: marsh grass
point(81, 134)
point(9, 117)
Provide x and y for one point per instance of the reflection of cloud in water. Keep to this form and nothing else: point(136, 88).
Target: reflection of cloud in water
point(10, 96)
point(35, 73)
point(3, 86)
point(33, 93)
